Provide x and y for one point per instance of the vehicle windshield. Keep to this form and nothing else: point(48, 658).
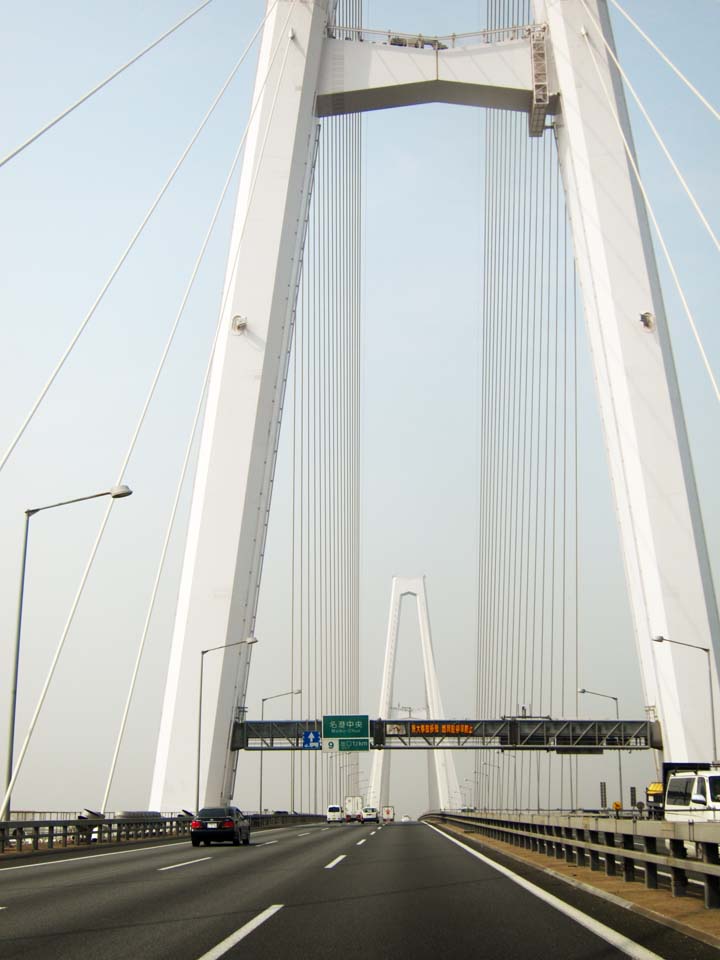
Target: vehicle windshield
point(714, 788)
point(213, 812)
point(333, 809)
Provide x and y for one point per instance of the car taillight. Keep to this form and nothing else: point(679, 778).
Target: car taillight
point(196, 825)
point(228, 823)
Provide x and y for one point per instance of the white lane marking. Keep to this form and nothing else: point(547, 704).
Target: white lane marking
point(325, 828)
point(335, 862)
point(93, 856)
point(185, 863)
point(610, 936)
point(373, 832)
point(360, 842)
point(229, 942)
point(268, 842)
point(306, 834)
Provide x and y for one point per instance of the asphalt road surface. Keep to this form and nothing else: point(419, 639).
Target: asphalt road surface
point(344, 891)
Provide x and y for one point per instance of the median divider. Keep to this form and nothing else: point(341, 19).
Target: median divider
point(20, 837)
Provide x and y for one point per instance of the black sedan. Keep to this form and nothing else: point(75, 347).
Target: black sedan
point(218, 824)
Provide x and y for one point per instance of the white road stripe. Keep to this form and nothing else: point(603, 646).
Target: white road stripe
point(185, 863)
point(335, 862)
point(607, 934)
point(229, 942)
point(325, 828)
point(360, 842)
point(306, 834)
point(268, 842)
point(373, 832)
point(93, 856)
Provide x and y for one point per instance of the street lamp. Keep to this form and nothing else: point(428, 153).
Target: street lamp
point(287, 693)
point(223, 646)
point(607, 696)
point(705, 650)
point(117, 493)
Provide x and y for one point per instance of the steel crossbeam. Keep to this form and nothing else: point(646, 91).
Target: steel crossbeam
point(507, 733)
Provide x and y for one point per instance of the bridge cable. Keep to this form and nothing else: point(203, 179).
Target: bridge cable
point(131, 244)
point(170, 526)
point(690, 195)
point(669, 62)
point(651, 213)
point(103, 83)
point(99, 535)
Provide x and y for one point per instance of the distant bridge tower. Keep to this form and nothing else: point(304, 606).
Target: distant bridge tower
point(558, 68)
point(442, 778)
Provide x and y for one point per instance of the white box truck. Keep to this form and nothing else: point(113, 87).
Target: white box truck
point(388, 814)
point(353, 809)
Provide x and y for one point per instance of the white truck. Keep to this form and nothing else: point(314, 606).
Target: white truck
point(353, 808)
point(692, 792)
point(388, 814)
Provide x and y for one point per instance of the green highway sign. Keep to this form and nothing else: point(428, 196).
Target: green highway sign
point(346, 726)
point(354, 743)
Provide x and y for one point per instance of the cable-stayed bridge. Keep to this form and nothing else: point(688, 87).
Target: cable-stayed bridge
point(283, 456)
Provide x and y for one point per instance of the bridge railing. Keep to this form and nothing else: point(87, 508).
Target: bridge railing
point(42, 834)
point(684, 850)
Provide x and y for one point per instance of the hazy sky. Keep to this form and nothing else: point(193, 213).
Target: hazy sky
point(70, 203)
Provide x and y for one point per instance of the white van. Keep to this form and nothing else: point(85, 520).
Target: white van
point(693, 795)
point(335, 813)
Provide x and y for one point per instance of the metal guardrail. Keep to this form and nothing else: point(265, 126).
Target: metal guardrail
point(681, 849)
point(31, 835)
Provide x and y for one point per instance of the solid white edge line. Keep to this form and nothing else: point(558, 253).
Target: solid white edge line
point(92, 856)
point(335, 862)
point(615, 939)
point(185, 863)
point(229, 942)
point(360, 842)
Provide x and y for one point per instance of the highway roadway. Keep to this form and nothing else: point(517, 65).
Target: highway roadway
point(405, 890)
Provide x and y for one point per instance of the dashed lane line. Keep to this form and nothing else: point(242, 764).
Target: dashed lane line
point(268, 842)
point(360, 842)
point(615, 939)
point(335, 862)
point(229, 942)
point(93, 856)
point(185, 863)
point(306, 834)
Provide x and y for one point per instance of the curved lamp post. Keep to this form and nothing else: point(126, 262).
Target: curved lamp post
point(118, 492)
point(705, 650)
point(223, 646)
point(607, 696)
point(287, 693)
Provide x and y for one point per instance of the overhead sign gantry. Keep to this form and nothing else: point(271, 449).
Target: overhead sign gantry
point(507, 733)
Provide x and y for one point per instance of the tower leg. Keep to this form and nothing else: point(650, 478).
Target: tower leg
point(228, 518)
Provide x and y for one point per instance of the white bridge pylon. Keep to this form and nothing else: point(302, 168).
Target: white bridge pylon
point(442, 777)
point(557, 69)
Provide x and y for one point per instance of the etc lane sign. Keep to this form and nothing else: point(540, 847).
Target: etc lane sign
point(346, 733)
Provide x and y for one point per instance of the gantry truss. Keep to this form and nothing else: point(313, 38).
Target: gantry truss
point(508, 733)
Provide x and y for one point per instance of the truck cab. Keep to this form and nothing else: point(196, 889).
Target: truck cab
point(693, 794)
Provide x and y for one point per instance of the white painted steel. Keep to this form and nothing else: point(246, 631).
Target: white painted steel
point(357, 76)
point(226, 535)
point(442, 777)
point(663, 541)
point(662, 536)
